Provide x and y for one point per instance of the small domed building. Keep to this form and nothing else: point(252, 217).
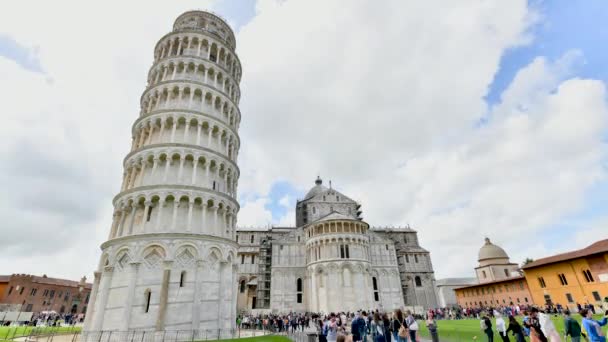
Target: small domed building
point(494, 264)
point(332, 260)
point(499, 281)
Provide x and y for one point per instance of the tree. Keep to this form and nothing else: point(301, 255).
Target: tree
point(527, 261)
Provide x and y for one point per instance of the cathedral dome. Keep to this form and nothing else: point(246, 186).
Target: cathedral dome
point(490, 251)
point(317, 189)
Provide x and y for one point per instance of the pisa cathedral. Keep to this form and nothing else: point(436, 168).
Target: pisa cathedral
point(331, 260)
point(174, 259)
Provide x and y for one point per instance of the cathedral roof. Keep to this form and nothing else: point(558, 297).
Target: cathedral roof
point(334, 215)
point(319, 188)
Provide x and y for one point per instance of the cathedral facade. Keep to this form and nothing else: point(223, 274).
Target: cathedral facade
point(332, 260)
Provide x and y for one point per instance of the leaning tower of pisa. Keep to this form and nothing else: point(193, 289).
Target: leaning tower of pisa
point(169, 261)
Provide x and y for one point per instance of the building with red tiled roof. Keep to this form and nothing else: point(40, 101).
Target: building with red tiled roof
point(42, 293)
point(576, 277)
point(499, 281)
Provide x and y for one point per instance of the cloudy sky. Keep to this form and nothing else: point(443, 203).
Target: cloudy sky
point(463, 119)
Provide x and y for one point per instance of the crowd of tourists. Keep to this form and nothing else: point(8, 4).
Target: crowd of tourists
point(49, 319)
point(538, 325)
point(372, 326)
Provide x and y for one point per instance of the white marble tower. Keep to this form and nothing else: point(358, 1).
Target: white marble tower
point(169, 261)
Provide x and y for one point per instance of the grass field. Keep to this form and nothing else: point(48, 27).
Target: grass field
point(11, 332)
point(467, 329)
point(267, 338)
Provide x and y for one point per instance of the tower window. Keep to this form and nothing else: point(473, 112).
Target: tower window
point(418, 281)
point(484, 274)
point(148, 295)
point(375, 287)
point(506, 272)
point(242, 286)
point(182, 279)
point(149, 213)
point(252, 259)
point(242, 259)
point(251, 238)
point(299, 290)
point(416, 257)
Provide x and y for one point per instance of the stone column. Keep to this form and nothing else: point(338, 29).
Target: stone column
point(151, 132)
point(126, 315)
point(153, 172)
point(161, 131)
point(174, 217)
point(122, 222)
point(173, 131)
point(215, 227)
point(198, 134)
point(198, 288)
point(189, 225)
point(159, 215)
point(144, 219)
point(106, 282)
point(164, 294)
point(142, 173)
point(220, 299)
point(194, 169)
point(115, 221)
point(92, 302)
point(210, 132)
point(203, 214)
point(167, 164)
point(132, 218)
point(182, 159)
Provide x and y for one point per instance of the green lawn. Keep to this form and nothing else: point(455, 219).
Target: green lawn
point(10, 332)
point(267, 338)
point(468, 329)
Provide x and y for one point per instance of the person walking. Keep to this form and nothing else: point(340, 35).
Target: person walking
point(501, 327)
point(536, 333)
point(593, 327)
point(486, 327)
point(399, 329)
point(516, 329)
point(377, 329)
point(571, 327)
point(357, 327)
point(431, 325)
point(332, 328)
point(412, 326)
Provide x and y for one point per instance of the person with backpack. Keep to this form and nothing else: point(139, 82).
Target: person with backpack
point(400, 332)
point(486, 327)
point(412, 326)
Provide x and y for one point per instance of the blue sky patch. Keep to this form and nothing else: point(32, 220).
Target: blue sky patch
point(24, 56)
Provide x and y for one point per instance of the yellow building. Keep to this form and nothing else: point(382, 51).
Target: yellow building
point(575, 277)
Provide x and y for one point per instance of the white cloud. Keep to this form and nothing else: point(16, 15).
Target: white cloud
point(382, 98)
point(254, 213)
point(285, 201)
